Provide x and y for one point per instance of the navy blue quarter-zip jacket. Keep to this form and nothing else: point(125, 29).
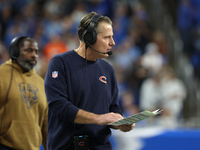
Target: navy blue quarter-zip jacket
point(70, 86)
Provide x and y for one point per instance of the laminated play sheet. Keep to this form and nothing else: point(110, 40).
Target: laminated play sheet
point(136, 118)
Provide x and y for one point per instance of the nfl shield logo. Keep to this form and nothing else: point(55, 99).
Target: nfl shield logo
point(55, 74)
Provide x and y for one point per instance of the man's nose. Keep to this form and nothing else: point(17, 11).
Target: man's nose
point(112, 42)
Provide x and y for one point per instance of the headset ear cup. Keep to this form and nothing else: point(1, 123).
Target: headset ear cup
point(11, 51)
point(86, 36)
point(14, 52)
point(90, 36)
point(94, 39)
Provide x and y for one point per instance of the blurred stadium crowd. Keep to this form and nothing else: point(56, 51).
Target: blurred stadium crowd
point(188, 23)
point(140, 57)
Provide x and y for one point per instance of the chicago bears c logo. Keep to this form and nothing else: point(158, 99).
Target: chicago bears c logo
point(29, 94)
point(103, 79)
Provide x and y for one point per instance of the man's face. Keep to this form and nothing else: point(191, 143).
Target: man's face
point(28, 55)
point(105, 40)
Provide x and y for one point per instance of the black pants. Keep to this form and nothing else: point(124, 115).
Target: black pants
point(3, 147)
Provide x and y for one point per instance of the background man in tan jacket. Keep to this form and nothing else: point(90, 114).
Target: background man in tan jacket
point(23, 105)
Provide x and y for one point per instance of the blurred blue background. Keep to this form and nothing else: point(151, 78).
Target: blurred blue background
point(156, 59)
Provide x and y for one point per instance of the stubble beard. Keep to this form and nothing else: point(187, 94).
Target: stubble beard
point(26, 65)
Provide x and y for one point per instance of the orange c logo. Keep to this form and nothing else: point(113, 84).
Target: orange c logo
point(81, 143)
point(103, 79)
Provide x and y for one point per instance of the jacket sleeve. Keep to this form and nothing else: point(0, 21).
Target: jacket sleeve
point(56, 90)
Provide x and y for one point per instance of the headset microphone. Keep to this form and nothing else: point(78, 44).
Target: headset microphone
point(109, 52)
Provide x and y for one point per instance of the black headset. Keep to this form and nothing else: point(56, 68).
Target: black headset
point(14, 50)
point(90, 35)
